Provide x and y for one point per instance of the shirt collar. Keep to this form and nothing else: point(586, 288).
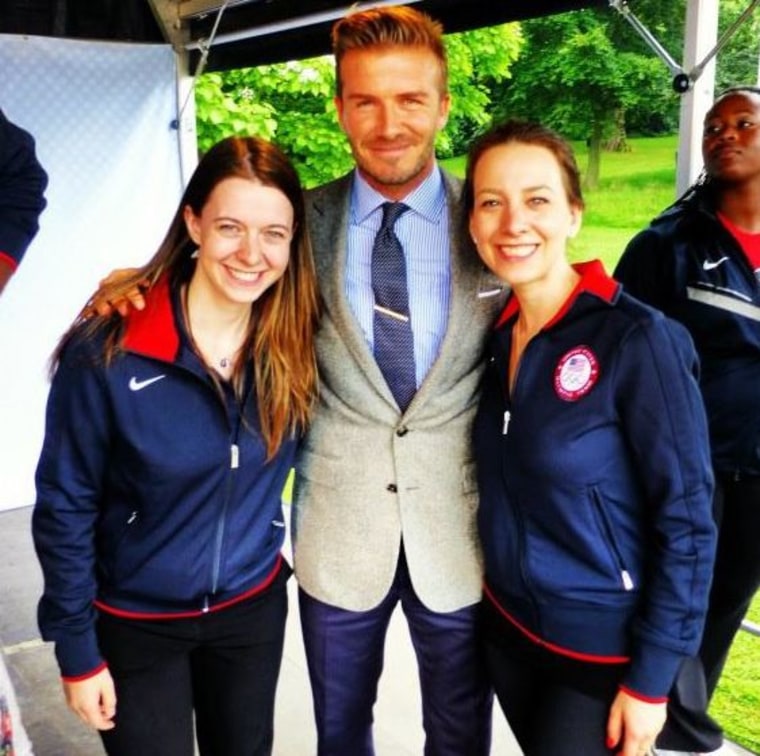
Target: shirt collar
point(594, 280)
point(427, 200)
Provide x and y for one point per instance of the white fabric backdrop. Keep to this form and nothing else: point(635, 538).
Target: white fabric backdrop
point(101, 114)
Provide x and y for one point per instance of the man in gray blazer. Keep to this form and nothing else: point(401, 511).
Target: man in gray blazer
point(385, 497)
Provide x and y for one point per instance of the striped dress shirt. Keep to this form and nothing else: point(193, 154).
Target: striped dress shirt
point(424, 235)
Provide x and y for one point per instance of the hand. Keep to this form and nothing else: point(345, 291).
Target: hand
point(93, 700)
point(112, 296)
point(634, 724)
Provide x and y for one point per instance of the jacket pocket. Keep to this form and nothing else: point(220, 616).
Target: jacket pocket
point(608, 536)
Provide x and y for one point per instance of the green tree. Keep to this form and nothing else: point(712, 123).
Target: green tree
point(738, 61)
point(571, 76)
point(292, 103)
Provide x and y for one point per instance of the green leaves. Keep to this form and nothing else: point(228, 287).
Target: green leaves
point(291, 103)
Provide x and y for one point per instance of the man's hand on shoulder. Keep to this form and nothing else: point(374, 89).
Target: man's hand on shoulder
point(105, 302)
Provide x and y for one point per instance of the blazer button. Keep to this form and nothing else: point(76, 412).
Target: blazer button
point(392, 488)
point(402, 431)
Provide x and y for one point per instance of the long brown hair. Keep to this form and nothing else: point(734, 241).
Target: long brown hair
point(280, 339)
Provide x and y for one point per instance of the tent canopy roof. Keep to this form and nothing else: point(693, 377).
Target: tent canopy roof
point(251, 32)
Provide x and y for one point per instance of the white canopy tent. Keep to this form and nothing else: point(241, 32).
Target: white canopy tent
point(117, 142)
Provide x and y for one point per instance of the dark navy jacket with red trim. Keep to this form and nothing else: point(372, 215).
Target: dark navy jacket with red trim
point(690, 266)
point(22, 185)
point(596, 485)
point(154, 498)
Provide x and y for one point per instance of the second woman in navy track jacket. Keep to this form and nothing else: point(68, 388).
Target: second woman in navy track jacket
point(593, 468)
point(699, 262)
point(169, 438)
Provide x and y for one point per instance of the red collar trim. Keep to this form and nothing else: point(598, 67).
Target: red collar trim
point(152, 331)
point(594, 280)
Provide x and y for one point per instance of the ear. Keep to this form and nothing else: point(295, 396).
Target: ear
point(472, 232)
point(576, 219)
point(338, 102)
point(445, 108)
point(192, 224)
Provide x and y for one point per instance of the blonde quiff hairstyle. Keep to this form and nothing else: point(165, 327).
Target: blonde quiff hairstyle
point(396, 26)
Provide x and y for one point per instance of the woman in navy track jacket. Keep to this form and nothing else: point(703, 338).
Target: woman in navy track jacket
point(170, 434)
point(699, 263)
point(593, 467)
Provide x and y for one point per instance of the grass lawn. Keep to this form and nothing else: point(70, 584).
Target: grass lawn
point(634, 187)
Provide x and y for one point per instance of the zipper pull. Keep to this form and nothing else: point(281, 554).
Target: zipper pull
point(627, 580)
point(132, 517)
point(507, 416)
point(234, 457)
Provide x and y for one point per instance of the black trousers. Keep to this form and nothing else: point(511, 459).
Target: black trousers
point(221, 668)
point(735, 580)
point(556, 706)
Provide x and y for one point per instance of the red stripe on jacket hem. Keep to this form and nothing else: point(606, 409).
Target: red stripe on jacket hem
point(551, 646)
point(268, 580)
point(86, 676)
point(641, 697)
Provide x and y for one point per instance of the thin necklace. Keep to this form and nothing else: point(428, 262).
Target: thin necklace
point(224, 362)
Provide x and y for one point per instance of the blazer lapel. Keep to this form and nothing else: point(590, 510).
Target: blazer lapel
point(477, 297)
point(328, 208)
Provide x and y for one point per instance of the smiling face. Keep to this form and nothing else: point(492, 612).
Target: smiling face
point(731, 138)
point(521, 216)
point(391, 107)
point(243, 235)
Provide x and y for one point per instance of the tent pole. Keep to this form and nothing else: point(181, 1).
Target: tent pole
point(701, 34)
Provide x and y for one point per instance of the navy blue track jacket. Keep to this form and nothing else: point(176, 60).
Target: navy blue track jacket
point(690, 266)
point(154, 498)
point(596, 485)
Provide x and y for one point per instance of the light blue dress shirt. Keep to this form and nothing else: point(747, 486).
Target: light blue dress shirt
point(424, 235)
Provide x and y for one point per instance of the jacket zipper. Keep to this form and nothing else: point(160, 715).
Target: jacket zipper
point(510, 394)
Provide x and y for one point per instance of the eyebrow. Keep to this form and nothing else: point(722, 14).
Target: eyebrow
point(421, 93)
point(749, 111)
point(537, 188)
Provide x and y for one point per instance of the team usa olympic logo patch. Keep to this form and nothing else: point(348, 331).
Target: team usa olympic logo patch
point(576, 373)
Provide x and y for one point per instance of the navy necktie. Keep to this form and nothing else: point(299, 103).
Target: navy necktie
point(394, 345)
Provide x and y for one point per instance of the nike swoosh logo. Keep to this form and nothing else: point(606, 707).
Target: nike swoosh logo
point(136, 385)
point(709, 264)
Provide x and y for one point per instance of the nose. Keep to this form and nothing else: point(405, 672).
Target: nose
point(727, 133)
point(389, 120)
point(512, 220)
point(250, 250)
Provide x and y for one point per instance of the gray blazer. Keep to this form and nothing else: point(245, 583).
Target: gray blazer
point(368, 475)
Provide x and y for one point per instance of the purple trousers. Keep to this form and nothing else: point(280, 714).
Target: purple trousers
point(344, 652)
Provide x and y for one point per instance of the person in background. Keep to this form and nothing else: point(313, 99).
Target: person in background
point(385, 495)
point(22, 187)
point(699, 262)
point(22, 195)
point(593, 468)
point(169, 437)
